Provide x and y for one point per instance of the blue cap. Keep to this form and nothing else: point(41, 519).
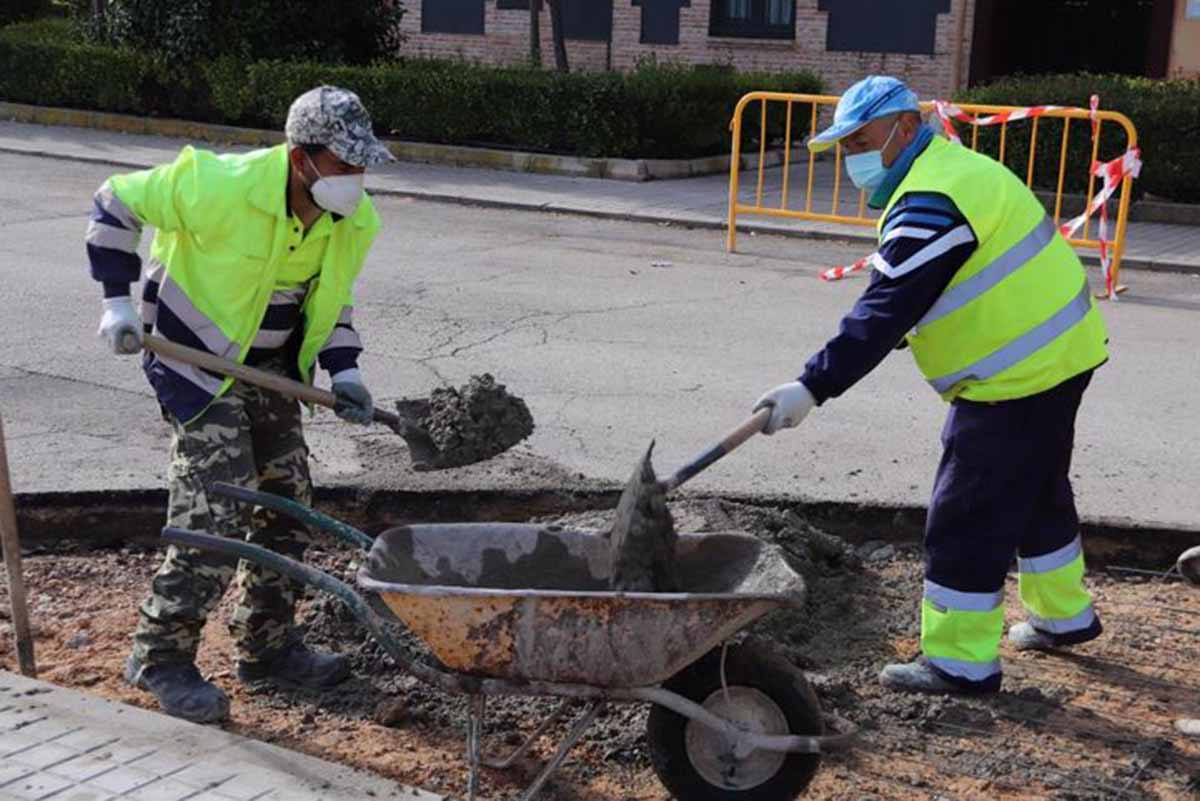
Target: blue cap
point(871, 98)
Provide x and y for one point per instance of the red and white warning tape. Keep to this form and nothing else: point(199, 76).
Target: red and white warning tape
point(948, 111)
point(1112, 173)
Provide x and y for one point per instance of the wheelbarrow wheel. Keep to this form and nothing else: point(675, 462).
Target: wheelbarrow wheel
point(764, 691)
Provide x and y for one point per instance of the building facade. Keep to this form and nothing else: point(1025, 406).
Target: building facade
point(938, 46)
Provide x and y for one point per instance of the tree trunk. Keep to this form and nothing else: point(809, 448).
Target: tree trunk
point(560, 44)
point(535, 32)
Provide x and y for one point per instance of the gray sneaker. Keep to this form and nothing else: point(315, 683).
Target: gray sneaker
point(921, 677)
point(180, 689)
point(1188, 726)
point(1024, 637)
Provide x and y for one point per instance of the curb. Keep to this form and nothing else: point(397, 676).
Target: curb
point(421, 152)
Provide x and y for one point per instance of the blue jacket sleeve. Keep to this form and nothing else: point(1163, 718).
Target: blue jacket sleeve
point(924, 241)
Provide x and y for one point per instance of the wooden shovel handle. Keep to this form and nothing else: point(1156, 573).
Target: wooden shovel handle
point(250, 375)
point(753, 425)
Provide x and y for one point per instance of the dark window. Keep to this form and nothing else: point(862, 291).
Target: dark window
point(869, 26)
point(660, 20)
point(519, 5)
point(452, 16)
point(587, 19)
point(754, 19)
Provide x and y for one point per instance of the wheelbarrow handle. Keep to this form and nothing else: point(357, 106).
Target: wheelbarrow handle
point(309, 517)
point(448, 682)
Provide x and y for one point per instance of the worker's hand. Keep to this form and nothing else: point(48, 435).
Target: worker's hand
point(789, 404)
point(121, 326)
point(354, 402)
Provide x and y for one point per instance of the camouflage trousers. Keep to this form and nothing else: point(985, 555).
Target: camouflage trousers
point(252, 438)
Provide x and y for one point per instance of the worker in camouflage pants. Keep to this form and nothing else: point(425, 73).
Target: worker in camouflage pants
point(254, 260)
point(248, 437)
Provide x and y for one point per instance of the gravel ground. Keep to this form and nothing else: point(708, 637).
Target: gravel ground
point(1094, 724)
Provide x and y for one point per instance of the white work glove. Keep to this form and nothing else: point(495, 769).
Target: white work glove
point(354, 402)
point(789, 404)
point(121, 326)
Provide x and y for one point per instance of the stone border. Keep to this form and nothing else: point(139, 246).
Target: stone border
point(423, 152)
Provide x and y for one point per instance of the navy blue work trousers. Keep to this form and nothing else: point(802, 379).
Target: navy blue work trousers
point(1003, 486)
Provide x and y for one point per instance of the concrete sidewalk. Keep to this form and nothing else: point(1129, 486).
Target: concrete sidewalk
point(67, 746)
point(695, 202)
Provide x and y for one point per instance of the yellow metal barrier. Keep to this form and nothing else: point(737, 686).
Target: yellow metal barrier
point(811, 209)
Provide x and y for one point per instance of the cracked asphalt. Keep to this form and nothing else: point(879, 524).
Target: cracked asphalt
point(608, 350)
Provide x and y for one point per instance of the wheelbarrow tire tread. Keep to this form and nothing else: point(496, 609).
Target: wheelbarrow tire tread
point(751, 664)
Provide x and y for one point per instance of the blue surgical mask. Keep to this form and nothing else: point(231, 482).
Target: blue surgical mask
point(866, 170)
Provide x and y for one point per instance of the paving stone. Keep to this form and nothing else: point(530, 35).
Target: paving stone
point(125, 751)
point(16, 717)
point(37, 786)
point(83, 767)
point(163, 790)
point(203, 775)
point(47, 754)
point(14, 742)
point(87, 739)
point(161, 763)
point(10, 771)
point(121, 779)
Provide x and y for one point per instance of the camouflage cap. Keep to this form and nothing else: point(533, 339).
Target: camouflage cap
point(335, 118)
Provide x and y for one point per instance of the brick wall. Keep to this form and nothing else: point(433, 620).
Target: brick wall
point(507, 42)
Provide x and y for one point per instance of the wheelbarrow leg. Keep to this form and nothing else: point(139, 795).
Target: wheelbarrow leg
point(478, 709)
point(577, 730)
point(506, 762)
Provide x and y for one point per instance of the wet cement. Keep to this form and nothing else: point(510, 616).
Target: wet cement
point(643, 535)
point(471, 423)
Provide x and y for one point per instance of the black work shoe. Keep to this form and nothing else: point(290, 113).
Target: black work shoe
point(180, 690)
point(297, 666)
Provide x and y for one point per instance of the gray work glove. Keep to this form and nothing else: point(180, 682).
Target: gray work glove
point(354, 402)
point(120, 326)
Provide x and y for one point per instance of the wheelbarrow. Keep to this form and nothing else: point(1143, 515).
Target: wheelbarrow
point(525, 610)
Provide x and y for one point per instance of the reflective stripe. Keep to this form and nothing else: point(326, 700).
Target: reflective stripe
point(951, 239)
point(112, 205)
point(911, 233)
point(150, 294)
point(270, 339)
point(342, 337)
point(1078, 622)
point(1023, 346)
point(1053, 560)
point(172, 296)
point(962, 601)
point(1003, 266)
point(972, 671)
point(109, 236)
point(193, 375)
point(346, 317)
point(283, 296)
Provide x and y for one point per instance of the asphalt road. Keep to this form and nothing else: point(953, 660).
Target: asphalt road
point(615, 333)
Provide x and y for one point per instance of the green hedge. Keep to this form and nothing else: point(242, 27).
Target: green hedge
point(654, 112)
point(1165, 113)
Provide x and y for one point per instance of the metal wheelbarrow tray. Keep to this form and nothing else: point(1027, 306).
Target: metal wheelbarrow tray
point(524, 610)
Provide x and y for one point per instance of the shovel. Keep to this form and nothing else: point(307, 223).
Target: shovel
point(425, 455)
point(643, 533)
